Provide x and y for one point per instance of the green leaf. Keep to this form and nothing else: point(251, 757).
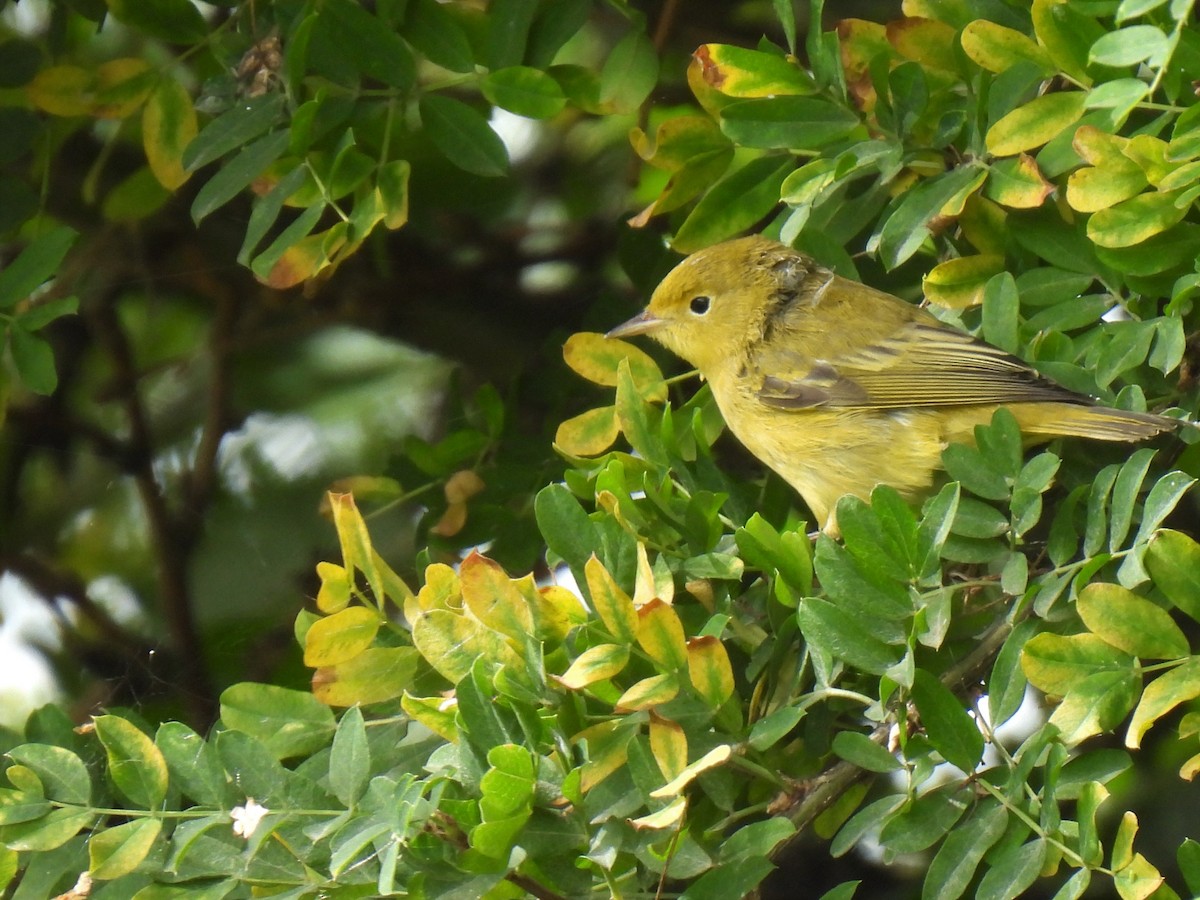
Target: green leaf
point(1129, 46)
point(33, 358)
point(1130, 623)
point(1163, 497)
point(117, 851)
point(1001, 305)
point(509, 23)
point(857, 748)
point(1012, 871)
point(953, 868)
point(524, 91)
point(437, 34)
point(63, 775)
point(289, 723)
point(566, 527)
point(794, 123)
point(975, 472)
point(950, 729)
point(1124, 495)
point(191, 763)
point(237, 174)
point(1006, 686)
point(1188, 858)
point(629, 73)
point(463, 135)
point(869, 818)
point(844, 636)
point(1173, 560)
point(789, 554)
point(176, 21)
point(350, 758)
point(861, 590)
point(234, 129)
point(51, 831)
point(734, 203)
point(723, 882)
point(907, 227)
point(266, 210)
point(379, 52)
point(135, 765)
point(923, 821)
point(34, 265)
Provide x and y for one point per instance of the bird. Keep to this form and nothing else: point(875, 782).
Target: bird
point(839, 387)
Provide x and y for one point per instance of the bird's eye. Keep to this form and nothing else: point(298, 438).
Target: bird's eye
point(700, 305)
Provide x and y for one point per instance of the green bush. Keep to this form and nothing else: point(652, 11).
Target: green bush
point(717, 684)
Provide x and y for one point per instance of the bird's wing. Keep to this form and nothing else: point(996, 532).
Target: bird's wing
point(917, 363)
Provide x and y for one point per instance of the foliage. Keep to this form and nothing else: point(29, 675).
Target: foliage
point(721, 685)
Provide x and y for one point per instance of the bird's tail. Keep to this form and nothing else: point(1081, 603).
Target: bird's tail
point(1048, 420)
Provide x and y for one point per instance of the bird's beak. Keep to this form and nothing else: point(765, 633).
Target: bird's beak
point(643, 323)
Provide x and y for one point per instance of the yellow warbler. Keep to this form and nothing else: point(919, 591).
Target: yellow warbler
point(839, 387)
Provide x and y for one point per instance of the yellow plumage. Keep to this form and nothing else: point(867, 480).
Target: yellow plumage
point(839, 387)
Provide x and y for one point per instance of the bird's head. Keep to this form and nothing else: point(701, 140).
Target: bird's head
point(716, 302)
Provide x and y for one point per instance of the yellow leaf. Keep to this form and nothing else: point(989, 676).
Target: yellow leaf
point(435, 713)
point(1150, 155)
point(668, 745)
point(441, 590)
point(644, 585)
point(958, 283)
point(63, 90)
point(607, 750)
point(1162, 695)
point(557, 611)
point(299, 262)
point(1017, 183)
point(1054, 32)
point(122, 86)
point(589, 433)
point(334, 593)
point(653, 691)
point(597, 359)
point(375, 675)
point(717, 756)
point(493, 598)
point(451, 522)
point(341, 636)
point(357, 552)
point(462, 486)
point(392, 180)
point(1035, 123)
point(670, 816)
point(927, 41)
point(740, 72)
point(611, 604)
point(660, 634)
point(996, 48)
point(710, 670)
point(452, 643)
point(983, 222)
point(1134, 220)
point(1094, 188)
point(594, 664)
